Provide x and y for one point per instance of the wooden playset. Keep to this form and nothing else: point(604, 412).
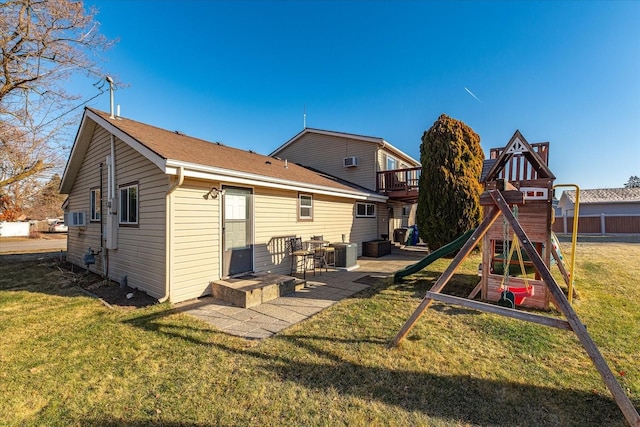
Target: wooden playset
point(518, 214)
point(519, 167)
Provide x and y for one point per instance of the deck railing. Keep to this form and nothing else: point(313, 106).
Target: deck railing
point(398, 180)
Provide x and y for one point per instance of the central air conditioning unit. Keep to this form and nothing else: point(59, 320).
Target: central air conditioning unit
point(350, 162)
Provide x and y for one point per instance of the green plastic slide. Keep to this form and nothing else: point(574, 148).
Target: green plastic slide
point(437, 254)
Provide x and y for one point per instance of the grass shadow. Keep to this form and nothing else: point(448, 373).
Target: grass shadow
point(458, 398)
point(460, 284)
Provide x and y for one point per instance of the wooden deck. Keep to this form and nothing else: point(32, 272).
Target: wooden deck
point(399, 184)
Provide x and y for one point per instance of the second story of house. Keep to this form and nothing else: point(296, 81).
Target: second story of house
point(370, 162)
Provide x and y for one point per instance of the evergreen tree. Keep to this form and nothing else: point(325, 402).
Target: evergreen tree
point(449, 197)
point(634, 182)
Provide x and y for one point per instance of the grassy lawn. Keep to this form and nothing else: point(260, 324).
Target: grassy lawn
point(66, 359)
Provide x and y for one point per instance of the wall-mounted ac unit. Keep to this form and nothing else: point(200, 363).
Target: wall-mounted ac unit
point(75, 219)
point(350, 162)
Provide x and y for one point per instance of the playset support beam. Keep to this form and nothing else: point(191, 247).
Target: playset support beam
point(573, 322)
point(446, 275)
point(496, 309)
point(623, 401)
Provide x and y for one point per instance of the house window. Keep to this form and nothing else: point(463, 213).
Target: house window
point(305, 207)
point(391, 163)
point(365, 210)
point(96, 206)
point(129, 204)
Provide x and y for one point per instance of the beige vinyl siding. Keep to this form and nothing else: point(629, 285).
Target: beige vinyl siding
point(400, 161)
point(382, 215)
point(390, 224)
point(370, 228)
point(140, 254)
point(80, 239)
point(141, 249)
point(276, 220)
point(325, 153)
point(195, 240)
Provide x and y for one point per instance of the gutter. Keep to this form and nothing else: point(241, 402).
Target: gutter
point(219, 174)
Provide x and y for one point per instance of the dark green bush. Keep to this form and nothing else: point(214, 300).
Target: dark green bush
point(449, 198)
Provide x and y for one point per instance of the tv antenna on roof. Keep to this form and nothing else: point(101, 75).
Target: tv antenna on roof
point(304, 117)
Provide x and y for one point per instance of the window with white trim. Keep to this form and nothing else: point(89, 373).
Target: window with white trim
point(96, 206)
point(129, 204)
point(365, 210)
point(391, 163)
point(305, 207)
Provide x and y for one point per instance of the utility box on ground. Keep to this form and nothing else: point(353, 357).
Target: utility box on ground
point(346, 254)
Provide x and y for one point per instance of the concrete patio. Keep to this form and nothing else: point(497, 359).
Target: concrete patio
point(321, 291)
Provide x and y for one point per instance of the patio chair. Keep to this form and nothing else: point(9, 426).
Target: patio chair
point(327, 254)
point(299, 256)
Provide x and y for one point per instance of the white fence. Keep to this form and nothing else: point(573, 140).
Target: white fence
point(14, 229)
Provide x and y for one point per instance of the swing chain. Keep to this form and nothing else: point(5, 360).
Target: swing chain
point(505, 252)
point(506, 242)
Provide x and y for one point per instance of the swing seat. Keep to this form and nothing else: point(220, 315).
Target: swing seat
point(521, 294)
point(507, 299)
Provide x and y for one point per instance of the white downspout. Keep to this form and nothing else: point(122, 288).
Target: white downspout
point(111, 234)
point(168, 232)
point(112, 209)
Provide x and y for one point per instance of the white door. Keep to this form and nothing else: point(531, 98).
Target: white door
point(237, 226)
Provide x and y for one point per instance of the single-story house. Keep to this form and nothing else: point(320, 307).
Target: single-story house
point(608, 201)
point(169, 213)
point(601, 211)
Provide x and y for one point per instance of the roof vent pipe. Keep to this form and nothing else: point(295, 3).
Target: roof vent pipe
point(285, 164)
point(110, 80)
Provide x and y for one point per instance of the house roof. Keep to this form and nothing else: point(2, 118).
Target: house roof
point(516, 145)
point(605, 195)
point(171, 151)
point(371, 139)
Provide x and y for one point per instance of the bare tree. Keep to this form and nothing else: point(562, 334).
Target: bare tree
point(47, 203)
point(44, 43)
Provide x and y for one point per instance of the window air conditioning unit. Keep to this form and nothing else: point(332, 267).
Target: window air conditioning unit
point(350, 162)
point(75, 219)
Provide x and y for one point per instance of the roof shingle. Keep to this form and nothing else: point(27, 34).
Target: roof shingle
point(177, 146)
point(605, 195)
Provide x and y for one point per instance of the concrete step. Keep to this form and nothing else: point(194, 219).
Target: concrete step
point(253, 289)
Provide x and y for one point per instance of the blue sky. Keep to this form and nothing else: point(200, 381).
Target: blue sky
point(242, 73)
